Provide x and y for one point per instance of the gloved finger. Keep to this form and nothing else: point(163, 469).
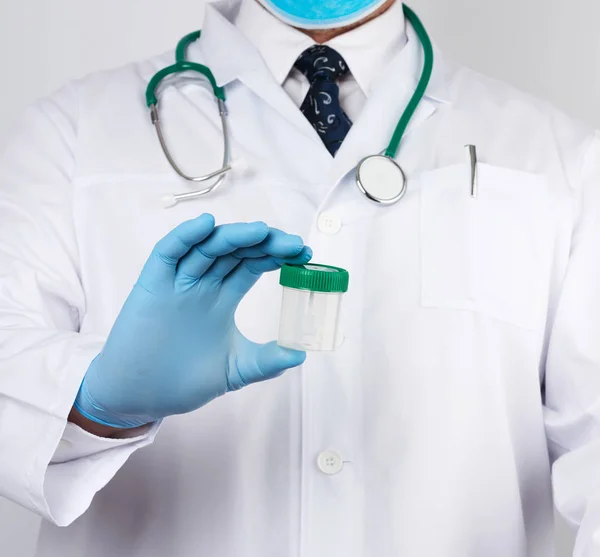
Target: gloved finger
point(224, 265)
point(303, 257)
point(239, 282)
point(272, 360)
point(257, 251)
point(261, 362)
point(277, 244)
point(226, 268)
point(165, 256)
point(224, 240)
point(221, 267)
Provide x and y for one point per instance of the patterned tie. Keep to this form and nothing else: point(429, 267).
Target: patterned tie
point(323, 66)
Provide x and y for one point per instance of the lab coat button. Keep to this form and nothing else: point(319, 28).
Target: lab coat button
point(329, 223)
point(330, 463)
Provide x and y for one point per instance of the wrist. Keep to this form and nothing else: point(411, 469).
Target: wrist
point(99, 430)
point(92, 415)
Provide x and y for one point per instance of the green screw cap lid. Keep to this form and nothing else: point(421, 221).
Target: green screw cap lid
point(316, 278)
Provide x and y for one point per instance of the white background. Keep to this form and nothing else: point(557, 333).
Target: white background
point(550, 48)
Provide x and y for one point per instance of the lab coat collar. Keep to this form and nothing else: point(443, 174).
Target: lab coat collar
point(231, 56)
point(224, 49)
point(392, 91)
point(407, 67)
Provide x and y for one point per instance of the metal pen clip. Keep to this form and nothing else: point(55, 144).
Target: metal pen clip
point(472, 153)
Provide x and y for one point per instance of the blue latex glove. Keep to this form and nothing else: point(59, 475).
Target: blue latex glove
point(175, 346)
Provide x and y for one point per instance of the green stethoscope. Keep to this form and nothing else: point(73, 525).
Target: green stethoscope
point(379, 177)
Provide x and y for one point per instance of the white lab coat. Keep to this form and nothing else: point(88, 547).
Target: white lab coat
point(471, 327)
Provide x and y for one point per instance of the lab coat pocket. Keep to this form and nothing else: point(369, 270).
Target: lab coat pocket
point(484, 253)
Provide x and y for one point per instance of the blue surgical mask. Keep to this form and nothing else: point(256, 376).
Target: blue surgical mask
point(321, 14)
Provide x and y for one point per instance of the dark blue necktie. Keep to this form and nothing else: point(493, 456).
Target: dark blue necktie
point(323, 66)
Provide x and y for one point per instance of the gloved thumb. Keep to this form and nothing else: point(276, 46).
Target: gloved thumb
point(266, 361)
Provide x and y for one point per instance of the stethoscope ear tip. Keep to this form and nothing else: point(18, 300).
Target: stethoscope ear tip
point(168, 200)
point(239, 166)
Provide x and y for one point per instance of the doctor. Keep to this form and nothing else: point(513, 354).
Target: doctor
point(142, 403)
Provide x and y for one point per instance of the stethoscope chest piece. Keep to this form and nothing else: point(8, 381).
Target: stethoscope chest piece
point(381, 179)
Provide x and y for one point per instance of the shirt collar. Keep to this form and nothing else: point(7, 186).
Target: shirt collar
point(242, 37)
point(366, 49)
point(278, 43)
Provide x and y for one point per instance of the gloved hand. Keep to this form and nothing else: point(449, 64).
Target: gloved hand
point(175, 346)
